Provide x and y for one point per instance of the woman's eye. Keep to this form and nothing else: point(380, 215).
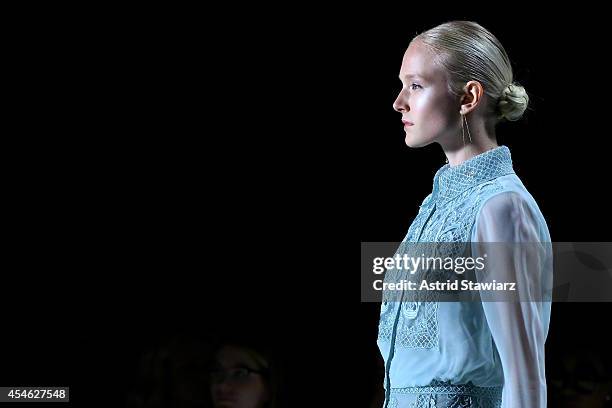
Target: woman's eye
point(415, 86)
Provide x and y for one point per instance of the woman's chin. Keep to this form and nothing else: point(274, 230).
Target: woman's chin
point(414, 142)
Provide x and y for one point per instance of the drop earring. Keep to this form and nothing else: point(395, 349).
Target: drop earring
point(464, 119)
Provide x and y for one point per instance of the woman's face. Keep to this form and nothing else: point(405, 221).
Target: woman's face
point(234, 382)
point(425, 100)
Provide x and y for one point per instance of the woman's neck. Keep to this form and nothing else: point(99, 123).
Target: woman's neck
point(462, 148)
point(458, 156)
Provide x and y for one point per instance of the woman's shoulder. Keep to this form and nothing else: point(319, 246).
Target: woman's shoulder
point(509, 192)
point(511, 205)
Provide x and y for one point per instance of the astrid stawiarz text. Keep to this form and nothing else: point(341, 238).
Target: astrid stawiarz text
point(444, 286)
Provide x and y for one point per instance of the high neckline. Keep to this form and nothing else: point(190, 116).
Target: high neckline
point(451, 181)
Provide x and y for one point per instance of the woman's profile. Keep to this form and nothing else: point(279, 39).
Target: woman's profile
point(457, 85)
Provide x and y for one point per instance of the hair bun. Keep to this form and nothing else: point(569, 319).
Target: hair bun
point(512, 102)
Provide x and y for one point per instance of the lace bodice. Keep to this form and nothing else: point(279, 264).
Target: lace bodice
point(481, 344)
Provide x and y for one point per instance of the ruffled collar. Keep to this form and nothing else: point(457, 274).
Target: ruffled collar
point(451, 181)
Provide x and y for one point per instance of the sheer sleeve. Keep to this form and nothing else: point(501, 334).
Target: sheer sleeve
point(518, 328)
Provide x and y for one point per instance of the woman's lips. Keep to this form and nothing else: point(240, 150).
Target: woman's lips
point(406, 123)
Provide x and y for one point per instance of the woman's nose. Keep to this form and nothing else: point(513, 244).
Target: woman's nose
point(400, 104)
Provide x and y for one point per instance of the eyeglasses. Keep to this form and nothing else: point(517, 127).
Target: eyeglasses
point(237, 375)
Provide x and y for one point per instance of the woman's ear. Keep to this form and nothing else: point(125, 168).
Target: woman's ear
point(473, 94)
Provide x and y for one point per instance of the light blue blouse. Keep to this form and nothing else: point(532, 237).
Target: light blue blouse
point(473, 354)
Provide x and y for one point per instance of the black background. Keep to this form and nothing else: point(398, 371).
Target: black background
point(181, 172)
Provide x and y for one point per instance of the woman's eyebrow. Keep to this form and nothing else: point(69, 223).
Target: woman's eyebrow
point(412, 76)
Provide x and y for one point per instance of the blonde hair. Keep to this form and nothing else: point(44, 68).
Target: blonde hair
point(469, 52)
